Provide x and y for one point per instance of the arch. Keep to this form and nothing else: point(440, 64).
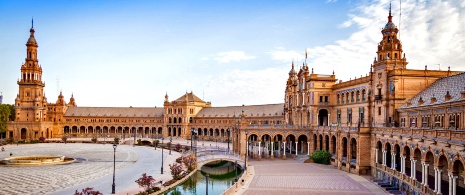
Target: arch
point(397, 157)
point(388, 154)
point(442, 166)
point(379, 146)
point(179, 131)
point(205, 132)
point(408, 164)
point(23, 133)
point(326, 143)
point(290, 142)
point(344, 150)
point(418, 166)
point(458, 170)
point(82, 130)
point(302, 145)
point(169, 131)
point(353, 151)
point(90, 129)
point(179, 120)
point(74, 129)
point(160, 130)
point(320, 142)
point(333, 145)
point(169, 120)
point(323, 117)
point(429, 159)
point(315, 142)
point(175, 120)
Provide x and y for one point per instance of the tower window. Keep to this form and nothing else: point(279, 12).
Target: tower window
point(395, 56)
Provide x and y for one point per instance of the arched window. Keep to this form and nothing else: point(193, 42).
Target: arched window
point(169, 120)
point(363, 95)
point(358, 96)
point(180, 120)
point(174, 120)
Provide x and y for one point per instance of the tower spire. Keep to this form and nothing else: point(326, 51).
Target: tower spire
point(32, 21)
point(390, 16)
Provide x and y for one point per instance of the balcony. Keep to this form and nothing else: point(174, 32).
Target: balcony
point(323, 103)
point(378, 97)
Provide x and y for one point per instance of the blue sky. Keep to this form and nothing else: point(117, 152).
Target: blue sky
point(130, 53)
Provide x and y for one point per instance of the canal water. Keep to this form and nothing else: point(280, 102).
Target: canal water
point(221, 177)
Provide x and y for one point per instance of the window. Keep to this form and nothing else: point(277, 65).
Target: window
point(326, 98)
point(379, 110)
point(321, 98)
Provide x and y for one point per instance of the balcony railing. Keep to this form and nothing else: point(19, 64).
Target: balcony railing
point(378, 97)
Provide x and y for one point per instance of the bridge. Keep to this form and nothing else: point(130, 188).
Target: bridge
point(210, 154)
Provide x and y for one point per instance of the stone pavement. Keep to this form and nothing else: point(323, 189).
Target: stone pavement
point(292, 177)
point(93, 169)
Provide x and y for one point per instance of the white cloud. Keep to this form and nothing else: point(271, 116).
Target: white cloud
point(204, 59)
point(230, 56)
point(431, 32)
point(331, 1)
point(286, 56)
point(237, 87)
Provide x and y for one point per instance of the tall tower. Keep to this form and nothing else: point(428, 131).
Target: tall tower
point(31, 103)
point(390, 57)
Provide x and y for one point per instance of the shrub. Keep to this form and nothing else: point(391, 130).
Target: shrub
point(94, 139)
point(321, 157)
point(139, 142)
point(145, 181)
point(42, 139)
point(64, 138)
point(176, 170)
point(87, 191)
point(189, 161)
point(146, 143)
point(116, 140)
point(10, 140)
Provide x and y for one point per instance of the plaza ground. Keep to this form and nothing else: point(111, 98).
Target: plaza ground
point(95, 169)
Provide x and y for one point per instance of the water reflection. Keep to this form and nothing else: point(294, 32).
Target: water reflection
point(221, 177)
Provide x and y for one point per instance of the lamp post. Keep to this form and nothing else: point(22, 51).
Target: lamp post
point(193, 133)
point(134, 145)
point(162, 155)
point(246, 152)
point(206, 181)
point(171, 139)
point(228, 137)
point(114, 167)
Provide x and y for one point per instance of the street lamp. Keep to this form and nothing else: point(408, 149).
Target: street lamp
point(114, 166)
point(193, 133)
point(134, 145)
point(246, 152)
point(206, 178)
point(171, 139)
point(162, 155)
point(228, 137)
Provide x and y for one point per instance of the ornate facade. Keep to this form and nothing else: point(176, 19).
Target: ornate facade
point(397, 124)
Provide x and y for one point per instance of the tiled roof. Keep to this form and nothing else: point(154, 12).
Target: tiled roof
point(267, 109)
point(190, 97)
point(453, 84)
point(114, 111)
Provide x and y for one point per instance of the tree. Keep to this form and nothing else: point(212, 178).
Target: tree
point(145, 181)
point(5, 112)
point(176, 170)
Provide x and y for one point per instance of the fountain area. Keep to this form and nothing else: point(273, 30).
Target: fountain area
point(36, 160)
point(222, 175)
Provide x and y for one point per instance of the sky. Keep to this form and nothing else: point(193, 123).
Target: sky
point(131, 53)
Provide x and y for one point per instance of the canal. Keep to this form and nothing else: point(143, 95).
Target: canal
point(222, 175)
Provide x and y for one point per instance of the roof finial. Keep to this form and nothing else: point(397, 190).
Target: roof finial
point(32, 21)
point(390, 16)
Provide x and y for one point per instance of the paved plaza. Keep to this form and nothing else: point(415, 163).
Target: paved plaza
point(293, 177)
point(94, 168)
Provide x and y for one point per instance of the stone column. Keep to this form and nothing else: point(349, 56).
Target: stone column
point(402, 164)
point(272, 150)
point(450, 183)
point(308, 148)
point(435, 179)
point(414, 175)
point(411, 168)
point(279, 149)
point(393, 161)
point(454, 185)
point(426, 174)
point(376, 155)
point(384, 158)
point(259, 152)
point(329, 116)
point(302, 147)
point(422, 173)
point(284, 151)
point(296, 148)
point(439, 180)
